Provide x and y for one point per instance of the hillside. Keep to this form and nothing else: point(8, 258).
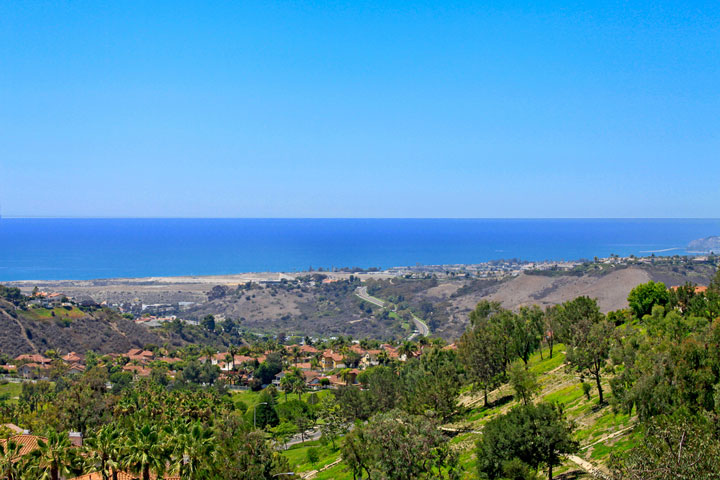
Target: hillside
point(326, 305)
point(66, 330)
point(599, 429)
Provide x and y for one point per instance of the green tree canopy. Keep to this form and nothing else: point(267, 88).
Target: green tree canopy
point(645, 296)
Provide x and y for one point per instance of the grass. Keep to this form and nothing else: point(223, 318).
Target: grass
point(11, 391)
point(559, 385)
point(297, 455)
point(47, 314)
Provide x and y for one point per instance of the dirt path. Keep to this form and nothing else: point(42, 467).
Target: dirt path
point(608, 437)
point(589, 467)
point(313, 473)
point(113, 327)
point(24, 333)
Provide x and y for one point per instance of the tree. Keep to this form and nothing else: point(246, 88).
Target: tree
point(431, 383)
point(407, 349)
point(10, 454)
point(645, 296)
point(536, 435)
point(715, 283)
point(102, 452)
point(84, 403)
point(244, 454)
point(524, 334)
point(380, 388)
point(192, 450)
point(523, 381)
point(395, 445)
point(286, 385)
point(553, 326)
point(672, 448)
point(53, 458)
point(333, 425)
point(146, 452)
point(208, 322)
point(481, 349)
point(590, 338)
point(264, 413)
point(312, 455)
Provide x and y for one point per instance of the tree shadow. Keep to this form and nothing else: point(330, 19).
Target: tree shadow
point(498, 402)
point(573, 475)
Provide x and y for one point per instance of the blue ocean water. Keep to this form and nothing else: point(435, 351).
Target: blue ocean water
point(52, 249)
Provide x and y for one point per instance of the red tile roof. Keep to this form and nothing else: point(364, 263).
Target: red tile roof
point(138, 370)
point(28, 442)
point(37, 358)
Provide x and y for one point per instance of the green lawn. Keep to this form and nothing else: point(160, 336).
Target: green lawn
point(297, 455)
point(11, 390)
point(47, 314)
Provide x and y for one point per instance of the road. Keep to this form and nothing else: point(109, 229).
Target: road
point(312, 434)
point(420, 326)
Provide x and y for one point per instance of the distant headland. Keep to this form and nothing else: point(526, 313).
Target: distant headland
point(705, 245)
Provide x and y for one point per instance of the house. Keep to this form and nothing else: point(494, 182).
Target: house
point(34, 358)
point(309, 350)
point(169, 360)
point(15, 429)
point(698, 289)
point(137, 370)
point(278, 378)
point(331, 360)
point(76, 439)
point(28, 443)
point(139, 355)
point(370, 358)
point(73, 357)
point(76, 368)
point(33, 370)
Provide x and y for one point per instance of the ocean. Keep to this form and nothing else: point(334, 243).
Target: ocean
point(56, 249)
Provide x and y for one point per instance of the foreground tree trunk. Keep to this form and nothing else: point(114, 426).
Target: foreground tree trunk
point(599, 387)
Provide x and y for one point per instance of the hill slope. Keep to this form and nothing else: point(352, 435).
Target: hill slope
point(103, 331)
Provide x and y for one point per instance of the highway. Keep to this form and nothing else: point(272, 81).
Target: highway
point(420, 326)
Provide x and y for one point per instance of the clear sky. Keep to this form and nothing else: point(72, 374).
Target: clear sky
point(360, 109)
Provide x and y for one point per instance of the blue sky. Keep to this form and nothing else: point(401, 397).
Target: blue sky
point(360, 109)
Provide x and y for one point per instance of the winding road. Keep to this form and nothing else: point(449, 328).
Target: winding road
point(421, 326)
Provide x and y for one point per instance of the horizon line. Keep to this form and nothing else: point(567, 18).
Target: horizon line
point(92, 217)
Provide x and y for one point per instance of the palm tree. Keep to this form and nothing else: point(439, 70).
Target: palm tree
point(346, 375)
point(233, 351)
point(382, 357)
point(230, 361)
point(209, 352)
point(54, 457)
point(408, 349)
point(102, 452)
point(296, 353)
point(10, 468)
point(146, 452)
point(298, 385)
point(192, 451)
point(286, 384)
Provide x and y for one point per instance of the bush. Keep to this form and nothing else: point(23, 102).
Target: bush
point(312, 455)
point(586, 389)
